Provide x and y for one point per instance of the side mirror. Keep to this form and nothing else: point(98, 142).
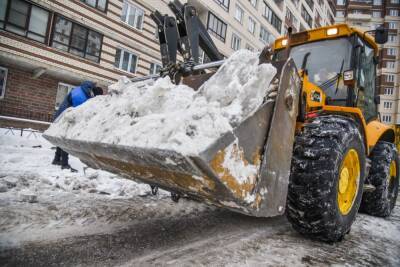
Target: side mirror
point(377, 99)
point(381, 35)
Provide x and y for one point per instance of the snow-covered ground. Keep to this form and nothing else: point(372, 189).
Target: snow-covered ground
point(95, 218)
point(29, 182)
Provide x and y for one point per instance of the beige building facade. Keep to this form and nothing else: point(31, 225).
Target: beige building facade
point(251, 24)
point(49, 46)
point(368, 15)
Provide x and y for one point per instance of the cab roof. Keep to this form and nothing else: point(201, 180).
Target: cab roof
point(322, 34)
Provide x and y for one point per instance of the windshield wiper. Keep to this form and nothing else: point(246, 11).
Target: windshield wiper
point(329, 83)
point(305, 59)
point(339, 74)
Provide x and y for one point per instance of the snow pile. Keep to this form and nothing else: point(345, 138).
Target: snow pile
point(237, 167)
point(241, 170)
point(167, 116)
point(26, 173)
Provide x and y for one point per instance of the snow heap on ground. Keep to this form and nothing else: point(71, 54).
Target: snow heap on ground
point(26, 171)
point(166, 116)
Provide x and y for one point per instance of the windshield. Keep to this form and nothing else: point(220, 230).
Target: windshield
point(326, 61)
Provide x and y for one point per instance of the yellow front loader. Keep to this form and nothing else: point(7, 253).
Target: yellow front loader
point(317, 141)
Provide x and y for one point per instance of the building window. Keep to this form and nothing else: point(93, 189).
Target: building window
point(377, 2)
point(340, 14)
point(393, 12)
point(376, 14)
point(387, 105)
point(272, 17)
point(253, 3)
point(390, 64)
point(156, 34)
point(3, 81)
point(265, 35)
point(155, 68)
point(216, 26)
point(252, 25)
point(239, 13)
point(391, 52)
point(63, 90)
point(291, 18)
point(125, 60)
point(235, 44)
point(392, 38)
point(294, 22)
point(76, 39)
point(387, 118)
point(392, 25)
point(23, 18)
point(132, 15)
point(223, 3)
point(98, 4)
point(394, 1)
point(390, 78)
point(388, 91)
point(341, 2)
point(307, 17)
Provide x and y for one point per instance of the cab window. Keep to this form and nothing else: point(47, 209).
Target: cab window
point(365, 75)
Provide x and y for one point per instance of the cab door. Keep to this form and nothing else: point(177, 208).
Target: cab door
point(365, 74)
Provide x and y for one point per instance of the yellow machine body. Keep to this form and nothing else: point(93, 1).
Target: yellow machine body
point(373, 130)
point(264, 140)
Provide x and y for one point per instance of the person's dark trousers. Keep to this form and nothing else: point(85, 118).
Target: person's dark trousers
point(60, 157)
point(64, 158)
point(57, 157)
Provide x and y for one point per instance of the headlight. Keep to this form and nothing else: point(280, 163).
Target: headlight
point(332, 31)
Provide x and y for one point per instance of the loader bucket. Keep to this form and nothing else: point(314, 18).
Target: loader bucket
point(262, 144)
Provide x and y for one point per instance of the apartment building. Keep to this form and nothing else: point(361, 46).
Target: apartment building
point(251, 24)
point(368, 15)
point(49, 46)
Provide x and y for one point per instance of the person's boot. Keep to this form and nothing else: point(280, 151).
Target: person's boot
point(65, 167)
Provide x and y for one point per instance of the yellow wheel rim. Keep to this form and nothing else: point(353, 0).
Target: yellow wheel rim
point(392, 171)
point(349, 179)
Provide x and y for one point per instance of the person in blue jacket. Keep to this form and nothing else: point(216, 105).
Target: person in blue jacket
point(76, 97)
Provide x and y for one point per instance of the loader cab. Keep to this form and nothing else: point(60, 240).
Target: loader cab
point(364, 91)
point(342, 65)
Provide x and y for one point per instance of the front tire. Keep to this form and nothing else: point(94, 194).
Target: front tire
point(384, 176)
point(327, 174)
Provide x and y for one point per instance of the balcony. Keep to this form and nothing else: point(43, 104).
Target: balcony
point(358, 16)
point(360, 3)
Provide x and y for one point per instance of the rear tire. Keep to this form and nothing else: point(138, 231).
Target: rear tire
point(316, 205)
point(384, 176)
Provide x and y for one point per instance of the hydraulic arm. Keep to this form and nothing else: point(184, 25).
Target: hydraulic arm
point(186, 34)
